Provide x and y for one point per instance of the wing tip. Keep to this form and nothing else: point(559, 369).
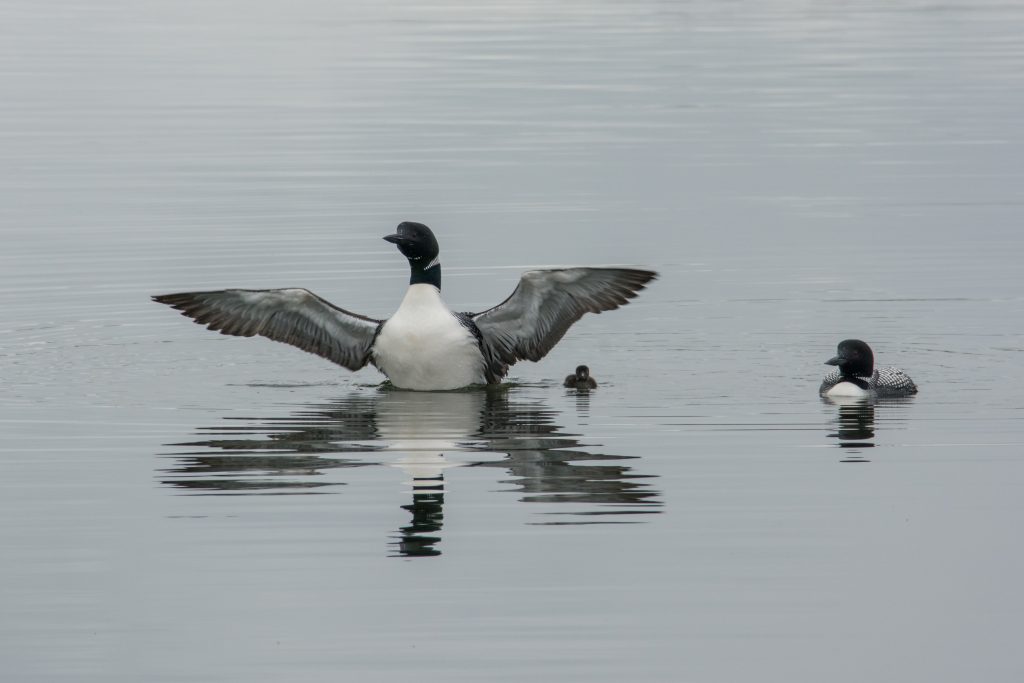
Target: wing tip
point(175, 300)
point(641, 276)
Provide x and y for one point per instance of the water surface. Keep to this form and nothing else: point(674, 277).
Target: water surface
point(183, 506)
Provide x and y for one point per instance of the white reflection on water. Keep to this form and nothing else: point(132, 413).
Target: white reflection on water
point(855, 422)
point(423, 434)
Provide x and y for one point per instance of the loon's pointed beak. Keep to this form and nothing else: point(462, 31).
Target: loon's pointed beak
point(397, 239)
point(835, 361)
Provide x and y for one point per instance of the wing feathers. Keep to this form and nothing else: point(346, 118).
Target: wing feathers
point(545, 304)
point(292, 316)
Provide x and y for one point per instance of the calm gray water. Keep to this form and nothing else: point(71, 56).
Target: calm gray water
point(180, 506)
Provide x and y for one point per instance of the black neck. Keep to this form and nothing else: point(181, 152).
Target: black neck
point(853, 379)
point(421, 275)
point(848, 372)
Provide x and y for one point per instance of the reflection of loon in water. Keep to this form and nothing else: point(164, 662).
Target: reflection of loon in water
point(855, 424)
point(855, 421)
point(429, 432)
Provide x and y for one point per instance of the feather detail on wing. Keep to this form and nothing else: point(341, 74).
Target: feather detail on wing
point(528, 324)
point(831, 379)
point(884, 382)
point(892, 381)
point(293, 316)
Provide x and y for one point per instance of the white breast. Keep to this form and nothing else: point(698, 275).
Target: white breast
point(847, 390)
point(423, 346)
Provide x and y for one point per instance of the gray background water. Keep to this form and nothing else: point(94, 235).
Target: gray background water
point(798, 172)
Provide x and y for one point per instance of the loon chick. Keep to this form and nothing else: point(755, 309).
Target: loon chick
point(424, 345)
point(856, 374)
point(580, 380)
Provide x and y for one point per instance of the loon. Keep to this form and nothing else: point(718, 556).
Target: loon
point(580, 380)
point(856, 375)
point(424, 346)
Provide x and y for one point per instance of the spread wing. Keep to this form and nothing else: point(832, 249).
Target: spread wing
point(293, 316)
point(528, 324)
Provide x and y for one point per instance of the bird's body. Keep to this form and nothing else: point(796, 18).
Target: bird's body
point(834, 386)
point(885, 382)
point(580, 380)
point(424, 345)
point(856, 376)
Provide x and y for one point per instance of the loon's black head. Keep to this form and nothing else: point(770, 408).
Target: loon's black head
point(418, 244)
point(582, 373)
point(854, 357)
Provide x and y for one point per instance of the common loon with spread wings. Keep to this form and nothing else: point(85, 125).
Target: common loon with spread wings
point(425, 345)
point(856, 376)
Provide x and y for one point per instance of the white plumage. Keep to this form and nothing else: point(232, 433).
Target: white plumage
point(423, 346)
point(846, 390)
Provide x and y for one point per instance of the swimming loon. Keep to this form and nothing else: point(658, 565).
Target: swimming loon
point(581, 379)
point(424, 345)
point(856, 375)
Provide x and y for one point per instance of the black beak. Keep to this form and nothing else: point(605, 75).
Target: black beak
point(398, 239)
point(835, 361)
